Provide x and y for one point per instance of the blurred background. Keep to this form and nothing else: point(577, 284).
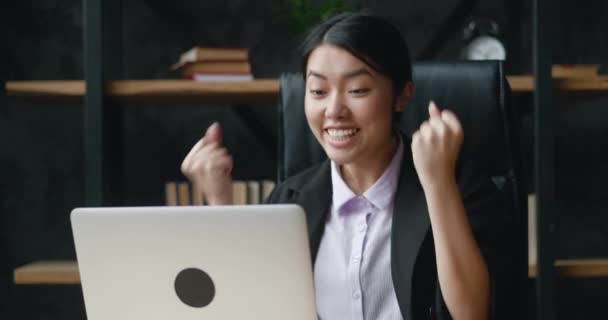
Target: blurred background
point(41, 145)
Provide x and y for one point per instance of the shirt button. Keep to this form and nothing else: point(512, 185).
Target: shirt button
point(356, 295)
point(356, 259)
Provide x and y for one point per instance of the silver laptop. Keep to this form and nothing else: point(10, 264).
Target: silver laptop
point(231, 262)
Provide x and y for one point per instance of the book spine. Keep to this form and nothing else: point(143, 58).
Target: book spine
point(171, 193)
point(183, 192)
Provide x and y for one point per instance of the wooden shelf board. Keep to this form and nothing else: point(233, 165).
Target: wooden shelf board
point(172, 92)
point(184, 91)
point(47, 92)
point(577, 268)
point(597, 84)
point(262, 91)
point(47, 272)
point(66, 272)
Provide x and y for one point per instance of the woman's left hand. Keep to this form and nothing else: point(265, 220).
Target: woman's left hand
point(435, 147)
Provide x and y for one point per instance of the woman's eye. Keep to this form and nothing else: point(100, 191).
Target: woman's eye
point(316, 93)
point(359, 91)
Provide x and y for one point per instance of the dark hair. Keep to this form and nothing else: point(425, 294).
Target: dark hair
point(370, 38)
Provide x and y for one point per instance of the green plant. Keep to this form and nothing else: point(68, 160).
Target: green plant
point(302, 14)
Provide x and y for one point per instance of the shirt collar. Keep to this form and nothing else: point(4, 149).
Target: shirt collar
point(380, 194)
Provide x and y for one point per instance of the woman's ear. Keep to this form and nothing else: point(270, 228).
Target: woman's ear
point(405, 96)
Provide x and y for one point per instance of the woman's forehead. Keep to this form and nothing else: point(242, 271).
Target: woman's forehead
point(330, 60)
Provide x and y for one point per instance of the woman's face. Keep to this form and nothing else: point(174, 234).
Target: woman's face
point(348, 105)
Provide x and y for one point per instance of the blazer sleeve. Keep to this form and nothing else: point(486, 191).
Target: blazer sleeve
point(279, 195)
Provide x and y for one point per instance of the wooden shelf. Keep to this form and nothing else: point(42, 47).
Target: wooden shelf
point(69, 91)
point(576, 268)
point(174, 92)
point(66, 272)
point(48, 272)
point(597, 84)
point(264, 91)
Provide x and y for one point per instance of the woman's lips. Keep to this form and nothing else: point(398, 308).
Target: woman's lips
point(340, 137)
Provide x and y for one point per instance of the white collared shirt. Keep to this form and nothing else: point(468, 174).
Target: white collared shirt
point(352, 270)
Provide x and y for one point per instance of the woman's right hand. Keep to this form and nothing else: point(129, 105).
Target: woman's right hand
point(208, 166)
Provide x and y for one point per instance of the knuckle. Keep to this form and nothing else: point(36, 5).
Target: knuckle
point(442, 132)
point(209, 166)
point(197, 167)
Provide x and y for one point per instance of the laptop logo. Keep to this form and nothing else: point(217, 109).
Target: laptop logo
point(194, 287)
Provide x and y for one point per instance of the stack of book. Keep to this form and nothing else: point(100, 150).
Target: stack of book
point(215, 64)
point(181, 193)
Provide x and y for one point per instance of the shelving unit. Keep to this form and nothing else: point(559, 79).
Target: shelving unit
point(261, 91)
point(103, 97)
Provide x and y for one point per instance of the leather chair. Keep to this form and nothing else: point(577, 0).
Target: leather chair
point(480, 96)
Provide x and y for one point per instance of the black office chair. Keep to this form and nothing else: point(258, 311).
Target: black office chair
point(479, 94)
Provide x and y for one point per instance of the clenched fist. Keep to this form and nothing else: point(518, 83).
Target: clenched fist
point(208, 166)
point(435, 147)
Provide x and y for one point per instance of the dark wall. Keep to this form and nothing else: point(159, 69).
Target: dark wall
point(41, 146)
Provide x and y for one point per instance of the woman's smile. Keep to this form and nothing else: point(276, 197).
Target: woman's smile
point(340, 137)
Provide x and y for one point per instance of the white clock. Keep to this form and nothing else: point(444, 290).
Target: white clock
point(485, 48)
point(482, 41)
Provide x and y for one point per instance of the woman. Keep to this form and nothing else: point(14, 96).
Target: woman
point(390, 236)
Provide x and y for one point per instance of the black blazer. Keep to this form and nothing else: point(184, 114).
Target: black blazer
point(413, 264)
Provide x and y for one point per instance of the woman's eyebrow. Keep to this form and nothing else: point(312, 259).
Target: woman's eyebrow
point(312, 73)
point(350, 74)
point(357, 72)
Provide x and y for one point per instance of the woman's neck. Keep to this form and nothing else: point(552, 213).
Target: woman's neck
point(361, 175)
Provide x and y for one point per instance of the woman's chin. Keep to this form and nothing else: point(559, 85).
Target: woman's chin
point(340, 157)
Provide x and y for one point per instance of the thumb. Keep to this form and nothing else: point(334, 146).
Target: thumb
point(434, 110)
point(214, 134)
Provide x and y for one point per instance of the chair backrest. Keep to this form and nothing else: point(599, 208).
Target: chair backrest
point(480, 96)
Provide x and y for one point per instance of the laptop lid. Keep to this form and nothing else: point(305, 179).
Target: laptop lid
point(229, 262)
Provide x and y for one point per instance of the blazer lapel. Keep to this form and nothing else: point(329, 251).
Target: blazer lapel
point(409, 230)
point(315, 197)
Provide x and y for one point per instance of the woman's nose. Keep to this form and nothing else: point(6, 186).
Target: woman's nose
point(335, 108)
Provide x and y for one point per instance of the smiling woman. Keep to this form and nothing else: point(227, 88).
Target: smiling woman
point(349, 109)
point(358, 76)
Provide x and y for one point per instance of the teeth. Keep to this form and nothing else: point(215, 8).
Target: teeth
point(340, 133)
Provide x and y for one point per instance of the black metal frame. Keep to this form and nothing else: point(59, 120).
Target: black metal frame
point(542, 16)
point(103, 125)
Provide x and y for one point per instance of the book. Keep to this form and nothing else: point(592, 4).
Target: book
point(220, 68)
point(267, 187)
point(182, 193)
point(171, 193)
point(197, 196)
point(211, 54)
point(253, 192)
point(239, 192)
